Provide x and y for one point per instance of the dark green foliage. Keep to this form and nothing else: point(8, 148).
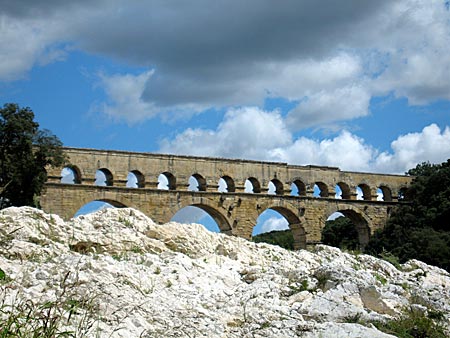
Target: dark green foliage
point(412, 325)
point(340, 233)
point(430, 194)
point(420, 229)
point(25, 151)
point(281, 238)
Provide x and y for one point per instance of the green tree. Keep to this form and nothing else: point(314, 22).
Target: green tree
point(25, 152)
point(281, 238)
point(420, 228)
point(340, 233)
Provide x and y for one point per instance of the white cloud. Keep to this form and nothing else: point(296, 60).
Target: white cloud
point(124, 93)
point(246, 132)
point(331, 67)
point(25, 43)
point(346, 151)
point(418, 44)
point(325, 107)
point(274, 223)
point(255, 134)
point(408, 150)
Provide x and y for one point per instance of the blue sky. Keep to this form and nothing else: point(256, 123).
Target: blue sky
point(362, 85)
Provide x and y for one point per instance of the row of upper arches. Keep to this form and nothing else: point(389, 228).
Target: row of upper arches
point(167, 181)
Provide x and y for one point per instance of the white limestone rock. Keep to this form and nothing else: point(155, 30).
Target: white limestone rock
point(126, 276)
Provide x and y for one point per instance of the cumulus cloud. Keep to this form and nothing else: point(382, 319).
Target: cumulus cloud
point(25, 43)
point(331, 58)
point(274, 223)
point(346, 151)
point(408, 150)
point(252, 133)
point(124, 92)
point(417, 44)
point(246, 132)
point(325, 107)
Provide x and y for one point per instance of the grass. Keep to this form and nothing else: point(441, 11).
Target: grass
point(414, 324)
point(391, 258)
point(69, 315)
point(380, 279)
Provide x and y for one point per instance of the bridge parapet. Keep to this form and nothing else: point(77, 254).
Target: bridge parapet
point(283, 176)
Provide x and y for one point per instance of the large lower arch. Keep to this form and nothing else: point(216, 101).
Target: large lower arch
point(295, 224)
point(221, 220)
point(88, 207)
point(359, 220)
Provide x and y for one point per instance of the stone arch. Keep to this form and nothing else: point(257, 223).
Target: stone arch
point(201, 182)
point(345, 190)
point(359, 219)
point(295, 224)
point(211, 209)
point(323, 187)
point(402, 194)
point(114, 203)
point(366, 192)
point(87, 201)
point(387, 193)
point(108, 177)
point(256, 186)
point(230, 186)
point(277, 186)
point(171, 183)
point(300, 186)
point(140, 179)
point(74, 172)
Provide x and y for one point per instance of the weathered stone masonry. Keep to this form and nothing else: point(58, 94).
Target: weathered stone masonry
point(235, 211)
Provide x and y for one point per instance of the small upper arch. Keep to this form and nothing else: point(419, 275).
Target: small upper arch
point(275, 187)
point(103, 177)
point(386, 193)
point(226, 184)
point(167, 181)
point(71, 174)
point(135, 179)
point(252, 185)
point(322, 189)
point(298, 188)
point(345, 192)
point(402, 194)
point(197, 183)
point(364, 193)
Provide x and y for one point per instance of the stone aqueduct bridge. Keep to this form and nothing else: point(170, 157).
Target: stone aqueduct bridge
point(235, 211)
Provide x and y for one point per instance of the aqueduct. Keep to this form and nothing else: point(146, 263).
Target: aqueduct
point(287, 189)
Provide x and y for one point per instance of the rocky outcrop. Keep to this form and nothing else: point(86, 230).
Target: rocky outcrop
point(116, 273)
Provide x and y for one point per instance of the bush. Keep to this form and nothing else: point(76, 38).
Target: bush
point(340, 233)
point(281, 238)
point(413, 325)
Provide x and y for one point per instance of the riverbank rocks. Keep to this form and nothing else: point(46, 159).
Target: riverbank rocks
point(115, 273)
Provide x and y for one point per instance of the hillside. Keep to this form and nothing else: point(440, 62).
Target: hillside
point(115, 273)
